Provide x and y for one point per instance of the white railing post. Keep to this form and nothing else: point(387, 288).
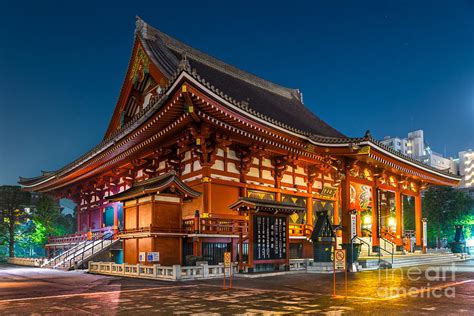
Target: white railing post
point(205, 270)
point(176, 272)
point(138, 269)
point(306, 264)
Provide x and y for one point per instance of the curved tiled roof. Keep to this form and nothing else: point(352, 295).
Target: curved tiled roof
point(272, 102)
point(279, 106)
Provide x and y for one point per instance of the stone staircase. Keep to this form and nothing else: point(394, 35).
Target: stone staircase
point(81, 253)
point(407, 260)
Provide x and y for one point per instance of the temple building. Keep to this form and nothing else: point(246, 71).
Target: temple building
point(201, 158)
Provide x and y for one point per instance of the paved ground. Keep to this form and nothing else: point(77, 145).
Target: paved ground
point(32, 290)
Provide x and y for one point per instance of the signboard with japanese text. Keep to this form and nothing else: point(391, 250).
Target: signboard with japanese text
point(269, 235)
point(328, 192)
point(142, 257)
point(353, 225)
point(425, 232)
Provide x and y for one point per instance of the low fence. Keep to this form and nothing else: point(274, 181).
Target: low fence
point(157, 272)
point(31, 262)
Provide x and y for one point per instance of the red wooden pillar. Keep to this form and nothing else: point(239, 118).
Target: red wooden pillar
point(399, 217)
point(197, 245)
point(206, 188)
point(78, 219)
point(89, 218)
point(337, 217)
point(101, 212)
point(309, 213)
point(375, 220)
point(418, 223)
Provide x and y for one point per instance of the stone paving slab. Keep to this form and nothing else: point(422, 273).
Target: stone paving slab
point(71, 293)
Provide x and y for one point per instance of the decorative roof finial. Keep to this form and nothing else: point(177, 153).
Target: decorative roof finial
point(368, 134)
point(141, 28)
point(184, 63)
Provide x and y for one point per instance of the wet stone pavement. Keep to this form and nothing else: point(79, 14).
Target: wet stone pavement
point(424, 290)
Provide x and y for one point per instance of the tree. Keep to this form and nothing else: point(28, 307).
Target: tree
point(14, 209)
point(445, 207)
point(48, 220)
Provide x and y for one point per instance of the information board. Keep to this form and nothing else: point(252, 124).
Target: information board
point(269, 234)
point(142, 257)
point(153, 257)
point(227, 259)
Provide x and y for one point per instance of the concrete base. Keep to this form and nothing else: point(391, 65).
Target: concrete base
point(321, 267)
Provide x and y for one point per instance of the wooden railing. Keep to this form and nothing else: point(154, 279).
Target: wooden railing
point(216, 226)
point(152, 229)
point(78, 237)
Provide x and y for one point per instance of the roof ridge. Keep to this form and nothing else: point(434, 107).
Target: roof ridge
point(149, 32)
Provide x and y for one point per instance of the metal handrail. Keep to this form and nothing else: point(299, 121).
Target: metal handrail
point(65, 254)
point(102, 238)
point(385, 250)
point(392, 244)
point(361, 240)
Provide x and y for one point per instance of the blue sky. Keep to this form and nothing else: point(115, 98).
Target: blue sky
point(387, 66)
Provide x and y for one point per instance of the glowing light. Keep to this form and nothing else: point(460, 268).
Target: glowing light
point(392, 222)
point(367, 220)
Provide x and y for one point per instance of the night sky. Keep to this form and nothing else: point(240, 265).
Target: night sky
point(387, 66)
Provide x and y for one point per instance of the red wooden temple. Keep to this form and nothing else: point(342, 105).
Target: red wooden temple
point(201, 157)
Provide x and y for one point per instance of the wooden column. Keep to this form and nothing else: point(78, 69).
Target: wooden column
point(278, 193)
point(78, 218)
point(399, 217)
point(89, 218)
point(101, 216)
point(309, 206)
point(418, 223)
point(116, 223)
point(309, 211)
point(206, 188)
point(375, 220)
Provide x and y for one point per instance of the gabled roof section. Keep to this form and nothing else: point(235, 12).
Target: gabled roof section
point(267, 206)
point(257, 96)
point(161, 184)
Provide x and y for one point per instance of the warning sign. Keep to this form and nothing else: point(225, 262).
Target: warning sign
point(227, 259)
point(339, 259)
